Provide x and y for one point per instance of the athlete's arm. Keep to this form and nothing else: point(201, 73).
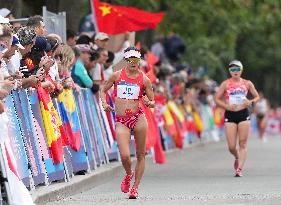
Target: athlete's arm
point(149, 92)
point(105, 88)
point(254, 93)
point(219, 95)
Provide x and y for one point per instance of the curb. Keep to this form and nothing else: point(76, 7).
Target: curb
point(79, 183)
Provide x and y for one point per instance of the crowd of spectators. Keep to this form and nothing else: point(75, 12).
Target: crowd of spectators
point(30, 57)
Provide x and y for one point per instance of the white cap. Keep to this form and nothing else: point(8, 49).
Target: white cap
point(132, 53)
point(101, 36)
point(16, 42)
point(4, 20)
point(4, 12)
point(236, 63)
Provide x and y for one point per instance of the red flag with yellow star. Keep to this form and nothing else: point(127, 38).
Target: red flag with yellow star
point(115, 19)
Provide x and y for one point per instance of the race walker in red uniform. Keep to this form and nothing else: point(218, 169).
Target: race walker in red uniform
point(131, 86)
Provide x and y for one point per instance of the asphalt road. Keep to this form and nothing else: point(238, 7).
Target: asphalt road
point(200, 175)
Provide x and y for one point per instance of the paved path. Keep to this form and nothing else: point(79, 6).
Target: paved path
point(201, 175)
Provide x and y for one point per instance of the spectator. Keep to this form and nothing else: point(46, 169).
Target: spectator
point(158, 49)
point(6, 13)
point(71, 38)
point(27, 39)
point(54, 45)
point(101, 40)
point(4, 20)
point(79, 73)
point(5, 85)
point(67, 58)
point(37, 23)
point(97, 72)
point(174, 47)
point(10, 53)
point(5, 45)
point(108, 66)
point(83, 39)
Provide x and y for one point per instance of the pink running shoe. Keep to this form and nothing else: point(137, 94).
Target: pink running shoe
point(238, 172)
point(236, 164)
point(133, 193)
point(125, 184)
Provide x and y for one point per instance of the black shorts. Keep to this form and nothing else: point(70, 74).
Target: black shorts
point(237, 117)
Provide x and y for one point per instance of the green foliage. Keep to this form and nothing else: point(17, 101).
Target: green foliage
point(217, 31)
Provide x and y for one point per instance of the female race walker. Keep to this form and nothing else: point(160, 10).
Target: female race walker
point(130, 84)
point(237, 116)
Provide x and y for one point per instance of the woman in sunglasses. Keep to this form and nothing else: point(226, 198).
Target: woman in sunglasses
point(130, 84)
point(237, 116)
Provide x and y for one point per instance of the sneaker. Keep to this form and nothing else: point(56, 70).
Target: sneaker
point(133, 193)
point(125, 184)
point(238, 172)
point(236, 164)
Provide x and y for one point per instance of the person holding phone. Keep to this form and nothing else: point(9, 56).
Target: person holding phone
point(237, 116)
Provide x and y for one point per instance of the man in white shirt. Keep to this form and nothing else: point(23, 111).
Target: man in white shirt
point(12, 66)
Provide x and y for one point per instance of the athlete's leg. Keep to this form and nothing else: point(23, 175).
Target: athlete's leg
point(123, 135)
point(231, 136)
point(262, 127)
point(243, 133)
point(140, 132)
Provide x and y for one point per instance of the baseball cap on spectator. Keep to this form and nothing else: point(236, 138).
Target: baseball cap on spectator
point(54, 43)
point(26, 35)
point(83, 47)
point(5, 12)
point(41, 44)
point(16, 42)
point(101, 36)
point(4, 20)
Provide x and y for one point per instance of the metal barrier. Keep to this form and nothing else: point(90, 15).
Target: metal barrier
point(85, 145)
point(52, 140)
point(54, 23)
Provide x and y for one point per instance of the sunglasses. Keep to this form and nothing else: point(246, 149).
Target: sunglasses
point(133, 60)
point(235, 69)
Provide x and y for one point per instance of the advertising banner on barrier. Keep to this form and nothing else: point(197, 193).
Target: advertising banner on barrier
point(54, 171)
point(53, 126)
point(68, 110)
point(93, 115)
point(92, 128)
point(16, 141)
point(85, 130)
point(38, 167)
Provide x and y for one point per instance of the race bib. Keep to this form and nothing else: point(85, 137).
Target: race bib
point(128, 91)
point(236, 99)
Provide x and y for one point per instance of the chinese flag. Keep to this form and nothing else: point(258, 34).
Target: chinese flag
point(115, 19)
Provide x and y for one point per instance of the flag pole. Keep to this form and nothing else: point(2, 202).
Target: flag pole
point(92, 2)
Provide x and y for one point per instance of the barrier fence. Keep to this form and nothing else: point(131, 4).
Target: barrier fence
point(50, 140)
point(44, 140)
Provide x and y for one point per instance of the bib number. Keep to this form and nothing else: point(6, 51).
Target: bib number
point(236, 99)
point(128, 91)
